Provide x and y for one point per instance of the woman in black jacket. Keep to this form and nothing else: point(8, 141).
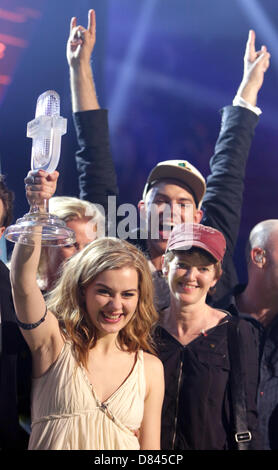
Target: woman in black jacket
point(207, 353)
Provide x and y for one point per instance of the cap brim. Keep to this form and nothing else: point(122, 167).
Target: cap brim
point(195, 243)
point(181, 175)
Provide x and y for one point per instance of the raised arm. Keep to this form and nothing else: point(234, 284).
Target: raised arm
point(97, 176)
point(223, 199)
point(80, 46)
point(39, 327)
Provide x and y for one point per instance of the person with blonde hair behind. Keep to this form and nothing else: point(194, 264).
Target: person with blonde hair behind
point(88, 223)
point(97, 383)
point(86, 219)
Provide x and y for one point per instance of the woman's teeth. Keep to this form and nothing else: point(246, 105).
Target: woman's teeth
point(112, 316)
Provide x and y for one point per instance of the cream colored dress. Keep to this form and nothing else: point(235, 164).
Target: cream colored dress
point(66, 414)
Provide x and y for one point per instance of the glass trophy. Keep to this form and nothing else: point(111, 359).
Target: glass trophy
point(46, 131)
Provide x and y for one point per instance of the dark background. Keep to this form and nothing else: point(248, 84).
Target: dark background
point(163, 68)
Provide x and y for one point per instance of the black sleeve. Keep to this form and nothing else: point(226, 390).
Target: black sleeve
point(96, 171)
point(223, 199)
point(222, 203)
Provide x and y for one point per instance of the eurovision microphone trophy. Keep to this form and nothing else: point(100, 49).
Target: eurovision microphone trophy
point(46, 131)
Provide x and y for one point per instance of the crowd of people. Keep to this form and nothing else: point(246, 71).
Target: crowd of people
point(146, 343)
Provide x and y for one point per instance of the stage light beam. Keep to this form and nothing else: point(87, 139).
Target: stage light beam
point(128, 68)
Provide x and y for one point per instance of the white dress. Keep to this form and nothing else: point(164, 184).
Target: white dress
point(66, 413)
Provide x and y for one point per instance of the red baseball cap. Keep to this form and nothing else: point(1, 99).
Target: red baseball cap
point(187, 235)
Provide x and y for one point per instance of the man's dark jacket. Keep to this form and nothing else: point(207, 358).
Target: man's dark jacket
point(223, 199)
point(267, 399)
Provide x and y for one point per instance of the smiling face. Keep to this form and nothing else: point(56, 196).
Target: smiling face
point(189, 281)
point(111, 299)
point(168, 204)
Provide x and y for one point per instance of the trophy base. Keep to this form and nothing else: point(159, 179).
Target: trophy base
point(52, 230)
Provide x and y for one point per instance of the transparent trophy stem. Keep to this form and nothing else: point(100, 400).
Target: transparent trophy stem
point(46, 131)
point(53, 231)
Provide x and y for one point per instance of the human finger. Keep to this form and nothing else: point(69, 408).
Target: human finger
point(37, 177)
point(262, 56)
point(72, 23)
point(52, 177)
point(266, 61)
point(30, 178)
point(38, 196)
point(40, 189)
point(92, 21)
point(250, 51)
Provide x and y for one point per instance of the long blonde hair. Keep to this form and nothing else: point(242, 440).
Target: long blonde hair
point(67, 300)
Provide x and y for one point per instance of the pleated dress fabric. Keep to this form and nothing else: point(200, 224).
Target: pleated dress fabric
point(67, 415)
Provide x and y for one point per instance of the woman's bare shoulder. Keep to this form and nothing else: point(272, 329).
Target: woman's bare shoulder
point(154, 373)
point(152, 362)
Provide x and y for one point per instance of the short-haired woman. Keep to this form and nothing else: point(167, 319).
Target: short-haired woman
point(203, 349)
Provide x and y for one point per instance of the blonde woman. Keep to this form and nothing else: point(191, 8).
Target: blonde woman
point(96, 382)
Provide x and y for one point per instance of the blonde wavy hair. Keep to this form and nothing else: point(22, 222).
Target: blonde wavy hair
point(67, 299)
point(69, 208)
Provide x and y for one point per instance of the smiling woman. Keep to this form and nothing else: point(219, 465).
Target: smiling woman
point(97, 383)
point(194, 343)
point(107, 276)
point(111, 305)
point(192, 269)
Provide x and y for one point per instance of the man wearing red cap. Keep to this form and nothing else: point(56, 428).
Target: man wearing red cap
point(216, 202)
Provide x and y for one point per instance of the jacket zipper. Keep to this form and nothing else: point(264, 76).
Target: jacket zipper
point(177, 404)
